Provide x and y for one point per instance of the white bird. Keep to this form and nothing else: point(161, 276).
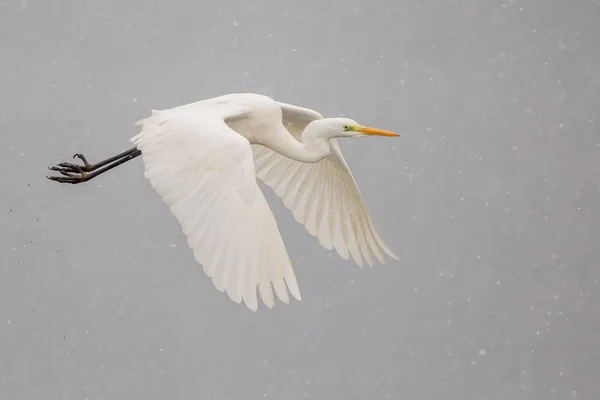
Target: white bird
point(203, 159)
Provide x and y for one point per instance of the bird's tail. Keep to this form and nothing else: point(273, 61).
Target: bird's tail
point(147, 124)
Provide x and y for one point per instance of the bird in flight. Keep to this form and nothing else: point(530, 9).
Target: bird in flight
point(203, 159)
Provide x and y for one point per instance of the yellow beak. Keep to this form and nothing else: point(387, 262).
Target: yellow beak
point(367, 130)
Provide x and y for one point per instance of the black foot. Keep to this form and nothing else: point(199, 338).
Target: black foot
point(72, 173)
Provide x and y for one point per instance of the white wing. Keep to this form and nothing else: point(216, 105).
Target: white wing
point(323, 196)
point(204, 172)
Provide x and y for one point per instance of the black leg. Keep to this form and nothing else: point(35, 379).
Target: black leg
point(73, 173)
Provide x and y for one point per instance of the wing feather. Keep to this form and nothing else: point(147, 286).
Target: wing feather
point(323, 196)
point(205, 174)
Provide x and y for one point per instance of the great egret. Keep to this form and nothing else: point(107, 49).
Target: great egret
point(203, 159)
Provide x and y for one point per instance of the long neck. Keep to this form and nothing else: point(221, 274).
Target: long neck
point(311, 149)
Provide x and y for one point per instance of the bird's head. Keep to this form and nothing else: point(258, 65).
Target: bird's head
point(346, 127)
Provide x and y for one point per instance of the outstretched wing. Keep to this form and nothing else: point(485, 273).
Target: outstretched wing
point(323, 196)
point(204, 172)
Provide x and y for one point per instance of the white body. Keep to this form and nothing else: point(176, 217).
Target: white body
point(203, 159)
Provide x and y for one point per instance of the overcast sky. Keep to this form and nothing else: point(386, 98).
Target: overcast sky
point(490, 198)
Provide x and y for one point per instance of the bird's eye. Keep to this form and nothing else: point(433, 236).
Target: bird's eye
point(346, 127)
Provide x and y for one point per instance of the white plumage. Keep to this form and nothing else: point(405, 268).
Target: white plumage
point(203, 159)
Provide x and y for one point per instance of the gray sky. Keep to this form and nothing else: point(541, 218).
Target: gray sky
point(490, 198)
